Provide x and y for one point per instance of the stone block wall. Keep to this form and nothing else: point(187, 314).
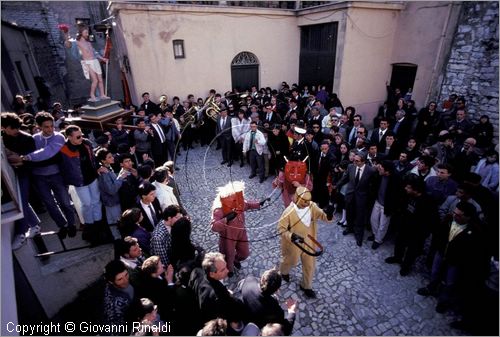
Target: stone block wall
point(472, 69)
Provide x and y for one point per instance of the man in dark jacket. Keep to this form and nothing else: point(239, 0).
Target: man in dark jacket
point(129, 189)
point(225, 137)
point(159, 147)
point(386, 202)
point(419, 217)
point(358, 196)
point(20, 143)
point(460, 262)
point(321, 174)
point(263, 307)
point(149, 206)
point(148, 106)
point(402, 126)
point(120, 300)
point(79, 169)
point(214, 299)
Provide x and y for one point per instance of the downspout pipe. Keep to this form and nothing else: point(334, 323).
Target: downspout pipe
point(439, 52)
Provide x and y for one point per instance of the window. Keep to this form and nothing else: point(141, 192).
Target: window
point(179, 49)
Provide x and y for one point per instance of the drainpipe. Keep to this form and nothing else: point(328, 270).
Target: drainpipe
point(31, 53)
point(440, 50)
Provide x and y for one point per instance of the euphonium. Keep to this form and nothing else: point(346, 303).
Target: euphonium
point(211, 108)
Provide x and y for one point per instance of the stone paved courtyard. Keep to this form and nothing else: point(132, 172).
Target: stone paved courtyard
point(358, 294)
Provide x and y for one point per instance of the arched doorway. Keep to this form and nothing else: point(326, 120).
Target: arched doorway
point(244, 71)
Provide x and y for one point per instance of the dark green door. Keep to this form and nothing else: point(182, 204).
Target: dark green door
point(318, 44)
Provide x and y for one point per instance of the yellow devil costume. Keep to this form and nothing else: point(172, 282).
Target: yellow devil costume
point(298, 228)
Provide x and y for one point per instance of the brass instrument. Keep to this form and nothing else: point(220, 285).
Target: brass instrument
point(243, 99)
point(163, 103)
point(189, 116)
point(212, 110)
point(329, 123)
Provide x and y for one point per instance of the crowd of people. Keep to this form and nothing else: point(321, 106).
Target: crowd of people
point(429, 176)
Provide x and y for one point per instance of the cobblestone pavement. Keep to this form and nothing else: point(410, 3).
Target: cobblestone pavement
point(358, 294)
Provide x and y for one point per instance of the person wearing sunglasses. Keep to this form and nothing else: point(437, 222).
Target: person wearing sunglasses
point(80, 170)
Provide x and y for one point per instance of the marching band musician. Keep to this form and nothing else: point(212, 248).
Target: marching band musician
point(330, 120)
point(163, 105)
point(228, 219)
point(297, 226)
point(296, 171)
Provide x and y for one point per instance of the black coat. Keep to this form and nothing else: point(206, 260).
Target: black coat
point(158, 291)
point(279, 147)
point(324, 168)
point(403, 131)
point(275, 118)
point(263, 308)
point(146, 223)
point(149, 108)
point(22, 144)
point(159, 149)
point(483, 133)
point(374, 139)
point(225, 132)
point(363, 192)
point(466, 252)
point(128, 192)
point(214, 300)
point(393, 193)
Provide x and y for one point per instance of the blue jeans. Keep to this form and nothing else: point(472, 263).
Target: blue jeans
point(90, 202)
point(113, 214)
point(30, 219)
point(54, 195)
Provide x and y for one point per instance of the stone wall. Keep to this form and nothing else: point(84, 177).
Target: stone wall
point(62, 72)
point(472, 70)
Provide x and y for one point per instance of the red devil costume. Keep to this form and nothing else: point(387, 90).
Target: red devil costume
point(228, 219)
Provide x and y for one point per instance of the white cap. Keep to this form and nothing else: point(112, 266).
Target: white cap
point(300, 130)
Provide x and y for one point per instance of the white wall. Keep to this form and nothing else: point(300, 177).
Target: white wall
point(211, 40)
point(371, 37)
point(419, 38)
point(366, 55)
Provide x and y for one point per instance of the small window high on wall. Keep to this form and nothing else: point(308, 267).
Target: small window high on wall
point(179, 49)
